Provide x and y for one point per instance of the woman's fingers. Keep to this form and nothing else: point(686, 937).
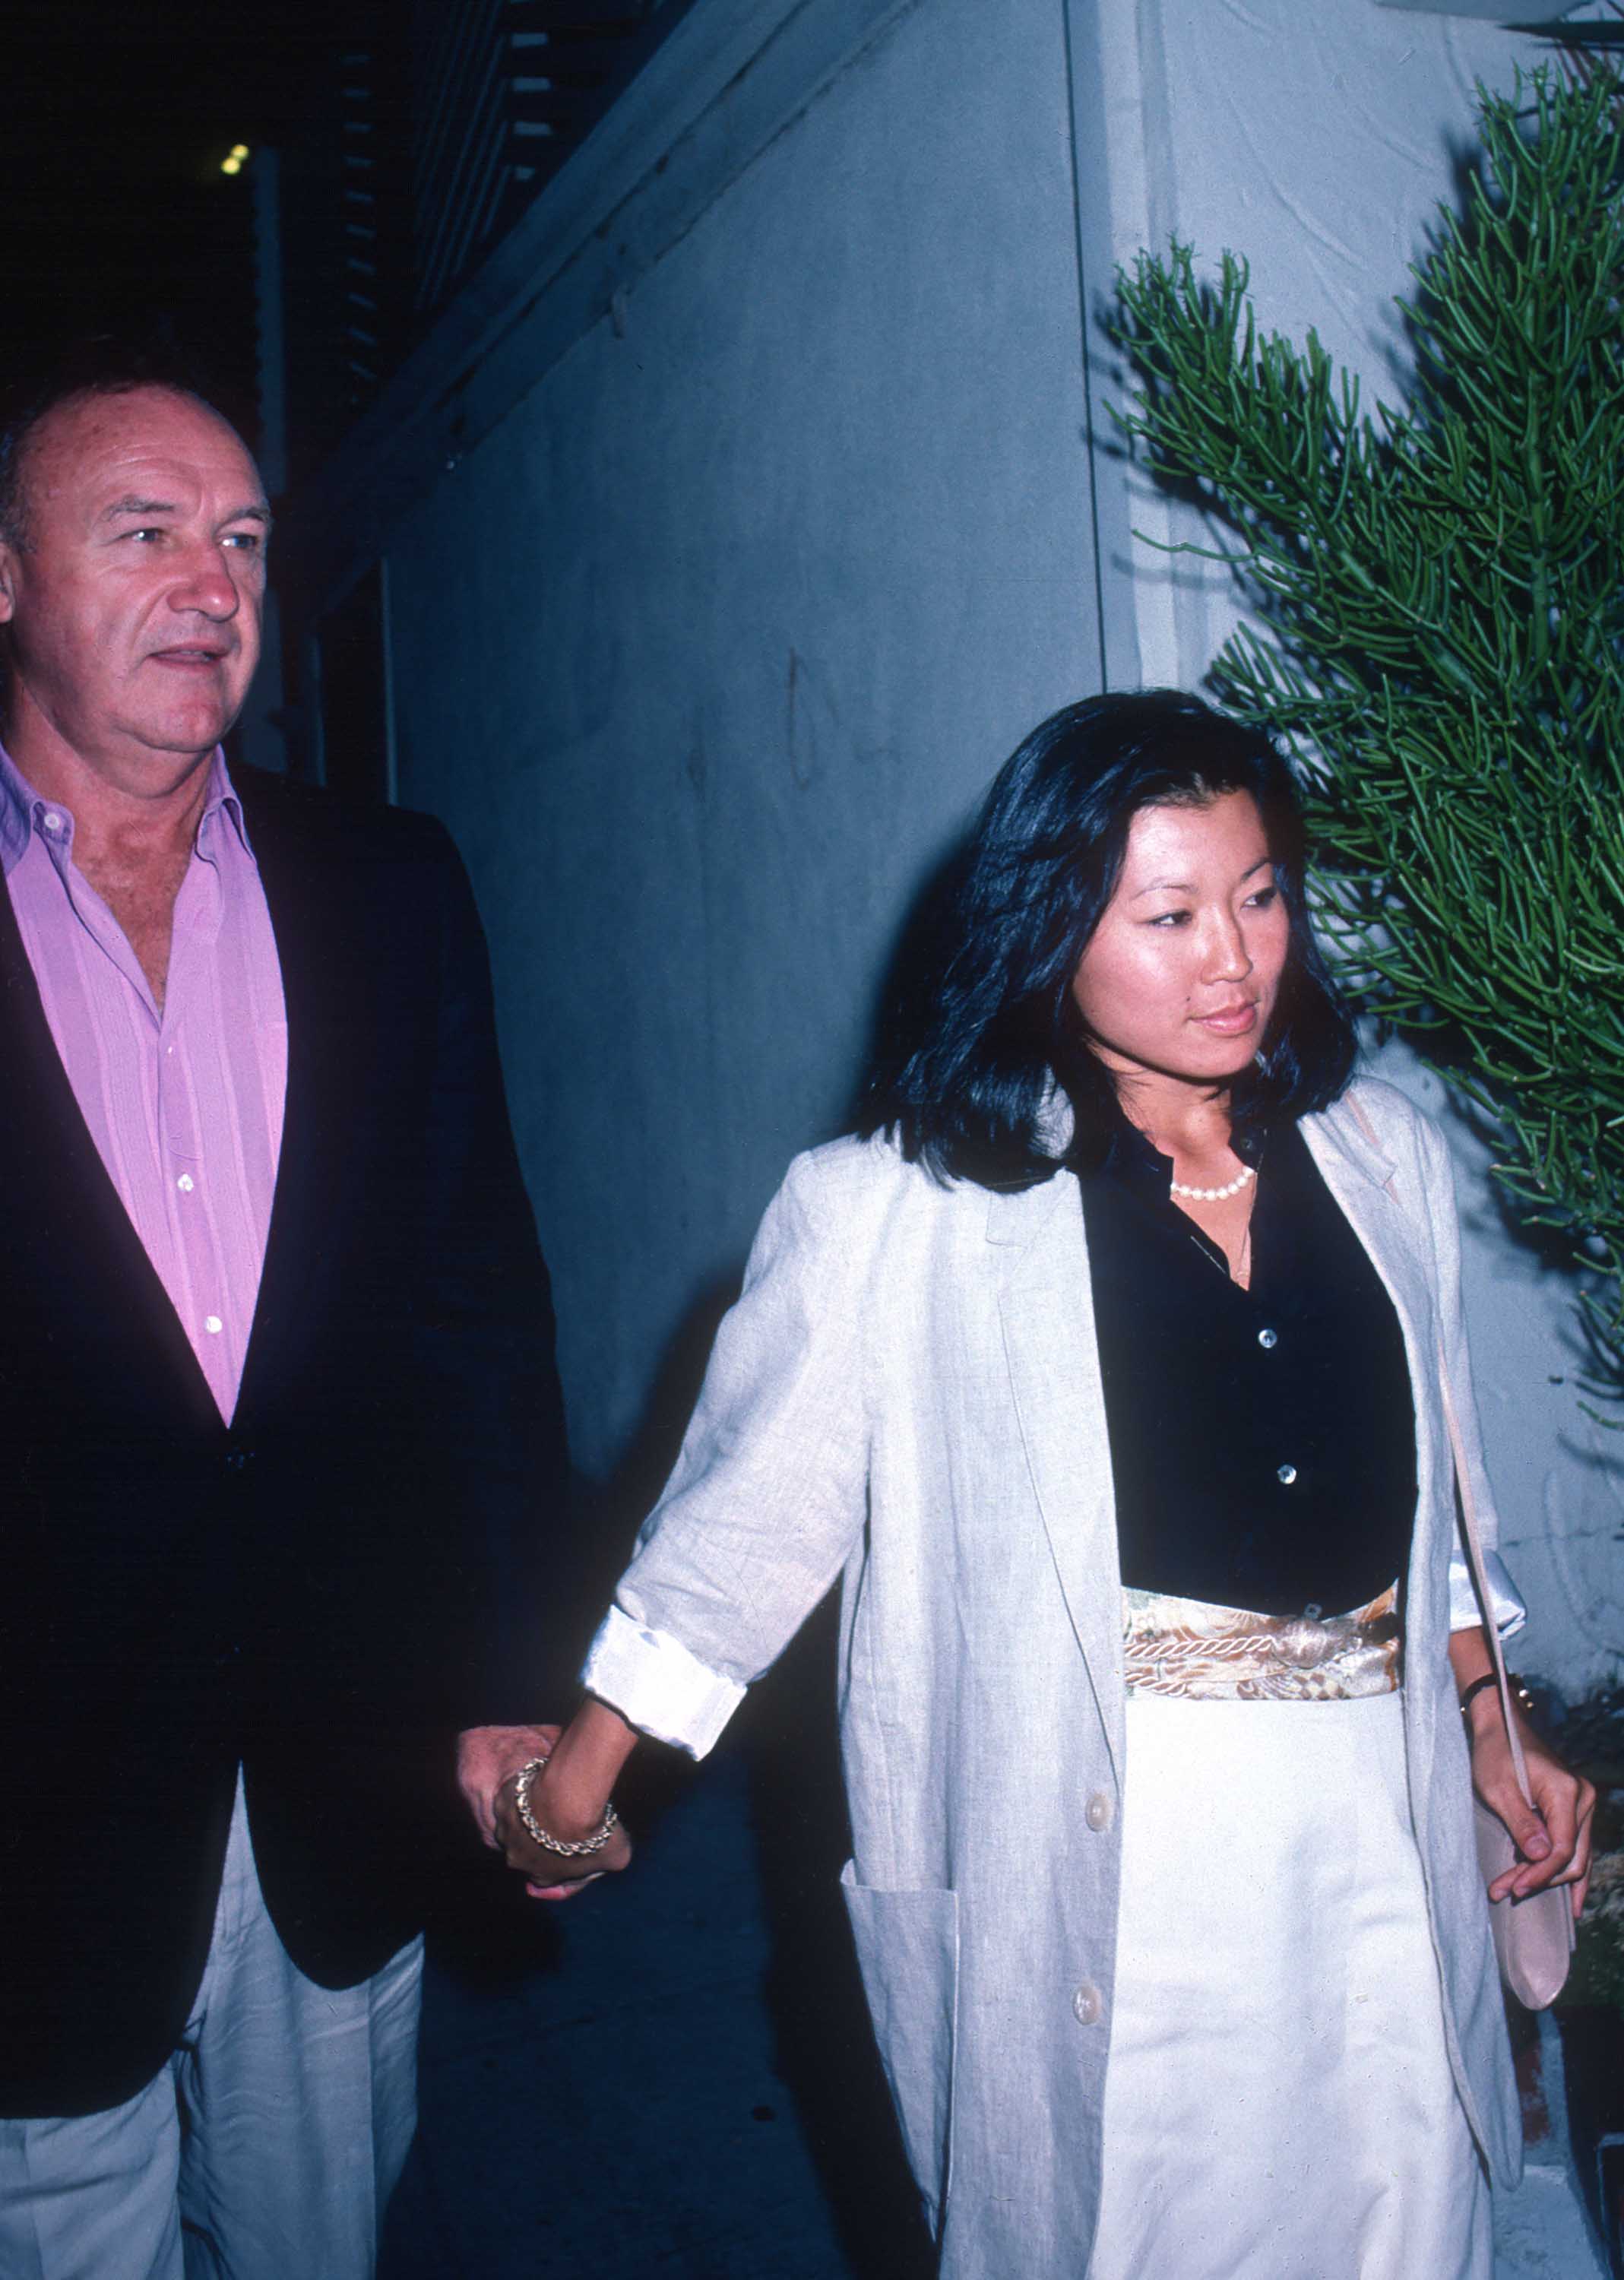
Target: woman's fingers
point(1566, 1802)
point(1554, 1837)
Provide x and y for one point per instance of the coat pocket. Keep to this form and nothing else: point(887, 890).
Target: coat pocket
point(907, 1949)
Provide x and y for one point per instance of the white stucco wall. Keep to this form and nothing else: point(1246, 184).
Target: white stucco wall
point(1319, 147)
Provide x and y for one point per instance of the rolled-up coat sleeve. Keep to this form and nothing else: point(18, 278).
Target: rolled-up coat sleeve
point(769, 1493)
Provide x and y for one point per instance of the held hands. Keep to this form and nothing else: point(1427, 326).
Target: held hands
point(1553, 1840)
point(489, 1759)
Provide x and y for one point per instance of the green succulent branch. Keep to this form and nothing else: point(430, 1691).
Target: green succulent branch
point(1437, 628)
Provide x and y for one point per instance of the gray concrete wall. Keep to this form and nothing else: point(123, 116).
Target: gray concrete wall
point(738, 521)
point(707, 650)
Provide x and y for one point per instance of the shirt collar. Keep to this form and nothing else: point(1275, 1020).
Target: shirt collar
point(18, 802)
point(23, 810)
point(1130, 1157)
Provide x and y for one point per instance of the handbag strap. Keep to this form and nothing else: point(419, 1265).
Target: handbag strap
point(1469, 1520)
point(1480, 1577)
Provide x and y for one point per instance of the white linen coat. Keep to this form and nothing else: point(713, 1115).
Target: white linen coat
point(909, 1391)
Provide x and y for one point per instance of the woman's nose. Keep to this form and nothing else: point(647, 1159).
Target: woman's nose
point(1228, 958)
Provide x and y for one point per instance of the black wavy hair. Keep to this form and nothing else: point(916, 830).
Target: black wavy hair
point(965, 1067)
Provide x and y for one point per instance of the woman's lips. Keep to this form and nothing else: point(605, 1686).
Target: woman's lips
point(1232, 1021)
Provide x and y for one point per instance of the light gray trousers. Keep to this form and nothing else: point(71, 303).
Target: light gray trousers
point(265, 2149)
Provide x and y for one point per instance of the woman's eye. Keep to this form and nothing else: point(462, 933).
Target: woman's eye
point(1169, 919)
point(1265, 897)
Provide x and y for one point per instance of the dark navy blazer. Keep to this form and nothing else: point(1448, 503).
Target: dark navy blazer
point(323, 1591)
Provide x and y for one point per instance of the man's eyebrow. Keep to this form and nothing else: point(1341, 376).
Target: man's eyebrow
point(256, 511)
point(132, 504)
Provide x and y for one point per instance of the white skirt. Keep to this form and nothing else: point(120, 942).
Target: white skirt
point(1279, 2101)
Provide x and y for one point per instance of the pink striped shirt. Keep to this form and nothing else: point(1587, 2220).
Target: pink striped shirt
point(185, 1104)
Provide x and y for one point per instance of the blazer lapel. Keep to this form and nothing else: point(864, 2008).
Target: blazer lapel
point(1046, 1308)
point(316, 958)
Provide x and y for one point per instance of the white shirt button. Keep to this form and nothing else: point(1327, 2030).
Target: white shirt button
point(1268, 1340)
point(213, 1325)
point(186, 1183)
point(1099, 1812)
point(52, 820)
point(1285, 1475)
point(1088, 2004)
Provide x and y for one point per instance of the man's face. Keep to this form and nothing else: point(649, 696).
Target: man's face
point(134, 608)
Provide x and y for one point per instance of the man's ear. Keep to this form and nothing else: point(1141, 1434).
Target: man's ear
point(7, 583)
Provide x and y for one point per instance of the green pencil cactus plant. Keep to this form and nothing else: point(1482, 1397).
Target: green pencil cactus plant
point(1435, 622)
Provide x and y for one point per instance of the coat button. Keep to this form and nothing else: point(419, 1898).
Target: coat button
point(1098, 1812)
point(1285, 1475)
point(1268, 1340)
point(1088, 2004)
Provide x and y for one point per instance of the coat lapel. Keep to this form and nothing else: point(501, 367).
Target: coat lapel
point(65, 1195)
point(1046, 1308)
point(1364, 1181)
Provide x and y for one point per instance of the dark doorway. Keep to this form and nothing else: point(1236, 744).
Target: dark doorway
point(357, 745)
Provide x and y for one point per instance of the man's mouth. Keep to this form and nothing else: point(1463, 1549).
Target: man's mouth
point(188, 656)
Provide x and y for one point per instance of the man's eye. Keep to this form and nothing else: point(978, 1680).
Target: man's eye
point(246, 541)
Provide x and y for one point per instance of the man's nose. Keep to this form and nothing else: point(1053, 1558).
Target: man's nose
point(206, 584)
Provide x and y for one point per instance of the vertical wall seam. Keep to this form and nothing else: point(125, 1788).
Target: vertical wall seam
point(1084, 326)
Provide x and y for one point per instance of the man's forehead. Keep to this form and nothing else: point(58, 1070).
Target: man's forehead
point(131, 442)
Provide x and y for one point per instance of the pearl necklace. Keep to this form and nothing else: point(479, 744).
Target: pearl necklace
point(1215, 1194)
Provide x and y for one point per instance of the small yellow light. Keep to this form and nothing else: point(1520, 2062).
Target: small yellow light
point(236, 160)
point(231, 166)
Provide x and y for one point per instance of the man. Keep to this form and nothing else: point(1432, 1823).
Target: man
point(278, 1414)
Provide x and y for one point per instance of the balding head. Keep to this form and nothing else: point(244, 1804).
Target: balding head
point(25, 423)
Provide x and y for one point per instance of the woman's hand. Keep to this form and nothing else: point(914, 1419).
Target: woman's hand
point(1554, 1838)
point(569, 1798)
point(551, 1875)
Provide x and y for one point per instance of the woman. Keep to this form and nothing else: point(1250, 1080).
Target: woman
point(1108, 1368)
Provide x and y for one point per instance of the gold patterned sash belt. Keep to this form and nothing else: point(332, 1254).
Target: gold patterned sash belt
point(1207, 1653)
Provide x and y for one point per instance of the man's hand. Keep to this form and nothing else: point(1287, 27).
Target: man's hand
point(489, 1755)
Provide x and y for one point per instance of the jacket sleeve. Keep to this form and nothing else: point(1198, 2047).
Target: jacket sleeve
point(483, 1341)
point(1509, 1612)
point(769, 1493)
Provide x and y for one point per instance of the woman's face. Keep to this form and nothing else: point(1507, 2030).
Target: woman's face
point(1183, 971)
